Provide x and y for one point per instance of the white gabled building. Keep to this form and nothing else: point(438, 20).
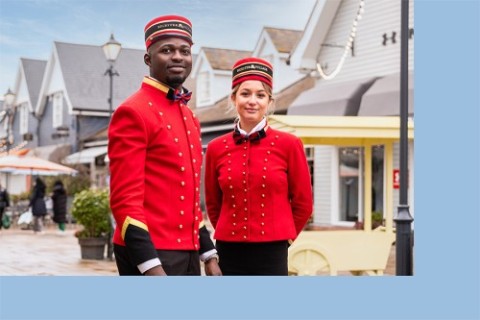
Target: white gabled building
point(359, 80)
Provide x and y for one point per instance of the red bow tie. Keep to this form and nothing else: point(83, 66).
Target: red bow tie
point(256, 136)
point(176, 95)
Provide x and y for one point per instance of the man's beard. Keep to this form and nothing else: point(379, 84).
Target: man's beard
point(175, 81)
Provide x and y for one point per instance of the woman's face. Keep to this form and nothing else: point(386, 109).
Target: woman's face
point(251, 101)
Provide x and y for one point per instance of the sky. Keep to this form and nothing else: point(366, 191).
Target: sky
point(29, 27)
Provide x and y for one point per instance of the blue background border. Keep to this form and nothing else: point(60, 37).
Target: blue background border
point(446, 282)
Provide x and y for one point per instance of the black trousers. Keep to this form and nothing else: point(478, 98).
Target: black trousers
point(257, 258)
point(174, 262)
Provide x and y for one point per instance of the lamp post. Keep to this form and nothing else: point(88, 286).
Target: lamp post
point(111, 49)
point(403, 219)
point(9, 97)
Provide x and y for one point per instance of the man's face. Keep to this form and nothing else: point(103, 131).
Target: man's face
point(170, 61)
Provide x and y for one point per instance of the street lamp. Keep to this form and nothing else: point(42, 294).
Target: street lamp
point(9, 97)
point(111, 49)
point(403, 219)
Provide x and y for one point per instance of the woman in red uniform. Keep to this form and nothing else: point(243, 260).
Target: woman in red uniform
point(257, 182)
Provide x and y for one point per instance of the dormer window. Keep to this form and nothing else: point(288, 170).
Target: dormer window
point(57, 109)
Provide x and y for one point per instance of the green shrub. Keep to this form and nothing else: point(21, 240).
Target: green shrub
point(91, 209)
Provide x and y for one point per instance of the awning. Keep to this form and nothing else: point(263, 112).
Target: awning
point(339, 99)
point(54, 152)
point(346, 131)
point(86, 155)
point(383, 98)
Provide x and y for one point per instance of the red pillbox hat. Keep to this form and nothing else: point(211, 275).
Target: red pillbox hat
point(252, 69)
point(168, 26)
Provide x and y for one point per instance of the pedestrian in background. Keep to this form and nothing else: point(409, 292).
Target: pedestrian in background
point(38, 205)
point(257, 181)
point(155, 163)
point(59, 199)
point(4, 203)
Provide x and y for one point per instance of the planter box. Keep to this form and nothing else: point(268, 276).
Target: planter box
point(92, 248)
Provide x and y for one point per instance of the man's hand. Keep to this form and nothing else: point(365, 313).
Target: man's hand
point(155, 271)
point(212, 268)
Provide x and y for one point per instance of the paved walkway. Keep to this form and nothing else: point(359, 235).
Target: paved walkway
point(24, 253)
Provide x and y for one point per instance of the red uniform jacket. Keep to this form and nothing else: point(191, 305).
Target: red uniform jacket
point(257, 191)
point(155, 161)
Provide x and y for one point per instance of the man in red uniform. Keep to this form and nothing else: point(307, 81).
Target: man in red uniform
point(155, 162)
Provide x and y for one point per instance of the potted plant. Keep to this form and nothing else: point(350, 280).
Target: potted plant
point(91, 209)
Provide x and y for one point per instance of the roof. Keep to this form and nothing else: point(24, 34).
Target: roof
point(34, 70)
point(341, 130)
point(221, 113)
point(83, 68)
point(224, 59)
point(284, 40)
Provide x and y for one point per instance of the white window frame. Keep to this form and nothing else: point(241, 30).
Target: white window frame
point(57, 109)
point(203, 87)
point(23, 118)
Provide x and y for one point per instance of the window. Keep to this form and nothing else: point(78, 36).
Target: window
point(23, 108)
point(203, 87)
point(349, 183)
point(57, 109)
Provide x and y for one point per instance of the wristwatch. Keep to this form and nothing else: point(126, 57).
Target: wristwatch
point(213, 256)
